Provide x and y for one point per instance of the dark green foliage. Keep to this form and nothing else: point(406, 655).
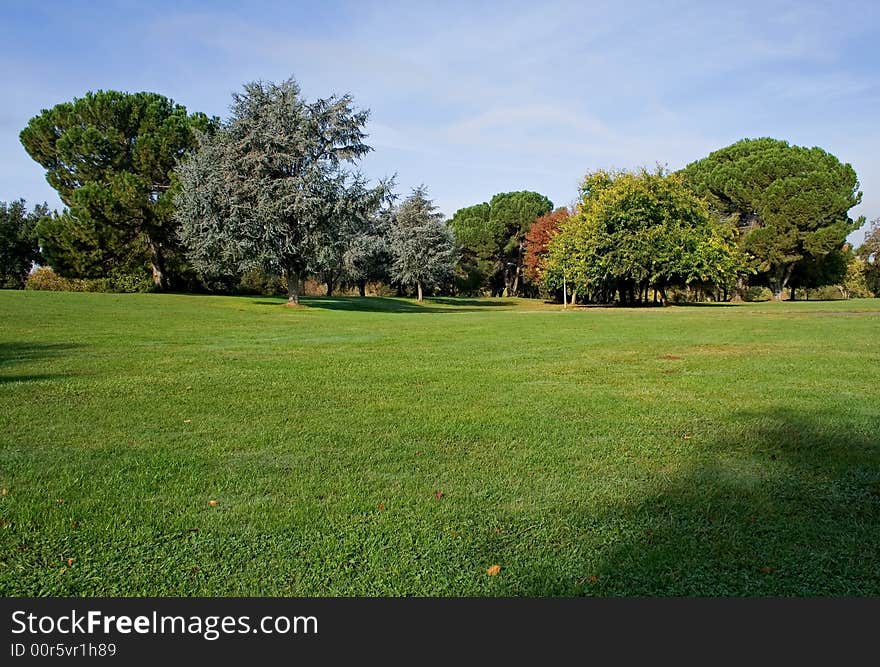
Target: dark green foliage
point(790, 203)
point(492, 237)
point(510, 216)
point(827, 269)
point(19, 246)
point(110, 156)
point(83, 248)
point(472, 231)
point(478, 264)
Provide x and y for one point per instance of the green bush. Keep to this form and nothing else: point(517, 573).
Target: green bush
point(46, 280)
point(259, 282)
point(129, 283)
point(826, 293)
point(757, 293)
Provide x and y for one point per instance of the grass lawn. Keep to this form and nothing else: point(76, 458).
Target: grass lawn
point(187, 445)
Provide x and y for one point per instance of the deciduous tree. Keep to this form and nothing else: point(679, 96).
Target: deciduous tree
point(637, 231)
point(538, 239)
point(869, 252)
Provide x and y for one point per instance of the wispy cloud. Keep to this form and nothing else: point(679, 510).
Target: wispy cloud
point(475, 98)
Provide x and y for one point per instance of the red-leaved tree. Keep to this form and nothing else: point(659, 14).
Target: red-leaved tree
point(538, 238)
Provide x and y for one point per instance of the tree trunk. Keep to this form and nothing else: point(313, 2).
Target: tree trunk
point(574, 297)
point(793, 294)
point(517, 271)
point(293, 286)
point(419, 286)
point(780, 281)
point(362, 287)
point(739, 290)
point(508, 281)
point(329, 288)
point(157, 264)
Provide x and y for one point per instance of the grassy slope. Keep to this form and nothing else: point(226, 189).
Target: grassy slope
point(703, 450)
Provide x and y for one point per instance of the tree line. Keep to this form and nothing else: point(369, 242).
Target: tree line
point(157, 197)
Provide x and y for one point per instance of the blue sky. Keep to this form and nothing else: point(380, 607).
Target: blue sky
point(476, 98)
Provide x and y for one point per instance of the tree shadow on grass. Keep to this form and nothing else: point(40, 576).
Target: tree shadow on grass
point(380, 304)
point(788, 504)
point(482, 302)
point(707, 304)
point(14, 379)
point(12, 353)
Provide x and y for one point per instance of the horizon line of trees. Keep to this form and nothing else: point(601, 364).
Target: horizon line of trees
point(159, 198)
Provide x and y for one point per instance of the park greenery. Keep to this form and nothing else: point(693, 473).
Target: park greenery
point(111, 158)
point(234, 364)
point(158, 198)
point(164, 444)
point(19, 243)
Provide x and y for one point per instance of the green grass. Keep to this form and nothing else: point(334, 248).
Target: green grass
point(728, 450)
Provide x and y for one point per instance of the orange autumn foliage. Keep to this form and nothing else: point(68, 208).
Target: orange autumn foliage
point(538, 238)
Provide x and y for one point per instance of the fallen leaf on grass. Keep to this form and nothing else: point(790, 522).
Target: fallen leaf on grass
point(4, 492)
point(187, 421)
point(766, 569)
point(438, 494)
point(59, 500)
point(493, 570)
point(381, 507)
point(69, 562)
point(593, 579)
point(213, 503)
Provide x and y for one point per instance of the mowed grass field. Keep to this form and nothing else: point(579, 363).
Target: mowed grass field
point(188, 445)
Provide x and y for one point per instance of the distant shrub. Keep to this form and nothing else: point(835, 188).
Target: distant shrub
point(826, 293)
point(262, 283)
point(46, 280)
point(855, 282)
point(129, 282)
point(757, 294)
